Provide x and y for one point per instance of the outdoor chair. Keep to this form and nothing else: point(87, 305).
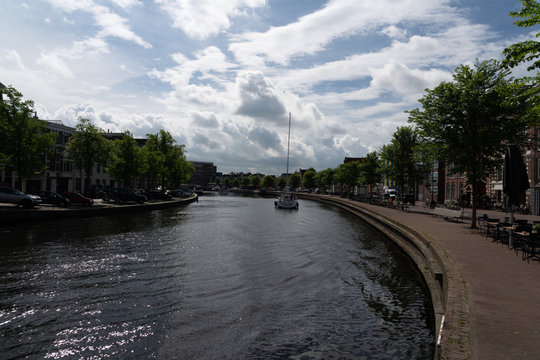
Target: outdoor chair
point(481, 222)
point(521, 237)
point(528, 246)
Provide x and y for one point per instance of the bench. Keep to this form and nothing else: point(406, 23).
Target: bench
point(449, 214)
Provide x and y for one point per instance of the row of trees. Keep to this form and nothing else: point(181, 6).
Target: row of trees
point(25, 144)
point(159, 162)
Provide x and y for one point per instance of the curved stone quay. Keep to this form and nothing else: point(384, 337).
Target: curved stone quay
point(488, 295)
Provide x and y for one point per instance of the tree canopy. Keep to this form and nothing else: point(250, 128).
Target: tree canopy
point(126, 163)
point(165, 160)
point(348, 174)
point(370, 169)
point(470, 120)
point(525, 51)
point(88, 147)
point(24, 141)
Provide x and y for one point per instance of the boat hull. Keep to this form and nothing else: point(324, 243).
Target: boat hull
point(286, 202)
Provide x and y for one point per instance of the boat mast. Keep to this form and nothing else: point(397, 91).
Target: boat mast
point(288, 143)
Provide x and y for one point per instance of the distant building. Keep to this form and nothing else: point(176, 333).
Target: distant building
point(351, 159)
point(204, 173)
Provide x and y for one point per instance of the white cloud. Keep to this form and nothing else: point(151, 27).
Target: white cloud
point(394, 32)
point(110, 23)
point(114, 25)
point(338, 19)
point(200, 19)
point(55, 63)
point(126, 4)
point(259, 98)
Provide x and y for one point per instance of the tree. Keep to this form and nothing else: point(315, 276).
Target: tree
point(295, 180)
point(471, 120)
point(126, 161)
point(166, 161)
point(370, 170)
point(402, 160)
point(281, 182)
point(308, 181)
point(88, 147)
point(255, 181)
point(348, 174)
point(24, 141)
point(326, 177)
point(525, 51)
point(179, 170)
point(269, 181)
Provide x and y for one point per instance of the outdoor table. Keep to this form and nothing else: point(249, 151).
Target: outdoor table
point(493, 225)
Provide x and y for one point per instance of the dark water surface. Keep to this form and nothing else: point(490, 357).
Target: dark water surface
point(228, 277)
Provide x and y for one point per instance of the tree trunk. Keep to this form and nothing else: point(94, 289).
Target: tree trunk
point(473, 220)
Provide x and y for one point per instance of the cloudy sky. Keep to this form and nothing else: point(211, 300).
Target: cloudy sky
point(222, 75)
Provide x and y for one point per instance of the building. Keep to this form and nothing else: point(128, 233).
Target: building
point(61, 174)
point(204, 173)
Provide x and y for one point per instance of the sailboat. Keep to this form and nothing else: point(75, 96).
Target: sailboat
point(287, 200)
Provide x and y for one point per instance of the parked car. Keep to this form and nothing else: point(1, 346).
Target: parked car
point(179, 193)
point(48, 197)
point(13, 196)
point(77, 199)
point(158, 195)
point(120, 194)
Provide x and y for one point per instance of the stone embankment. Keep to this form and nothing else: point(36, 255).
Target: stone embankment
point(11, 213)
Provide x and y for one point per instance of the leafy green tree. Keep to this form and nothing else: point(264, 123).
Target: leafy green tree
point(401, 153)
point(255, 181)
point(126, 160)
point(245, 181)
point(525, 51)
point(179, 169)
point(24, 141)
point(295, 180)
point(269, 181)
point(88, 147)
point(470, 120)
point(308, 180)
point(326, 177)
point(348, 174)
point(370, 170)
point(165, 160)
point(281, 182)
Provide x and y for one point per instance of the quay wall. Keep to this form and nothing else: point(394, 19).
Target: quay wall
point(13, 214)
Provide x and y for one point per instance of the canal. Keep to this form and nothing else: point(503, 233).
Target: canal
point(229, 277)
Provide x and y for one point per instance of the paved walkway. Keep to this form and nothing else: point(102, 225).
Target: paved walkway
point(501, 290)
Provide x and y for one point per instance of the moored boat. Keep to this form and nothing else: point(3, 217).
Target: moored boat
point(287, 200)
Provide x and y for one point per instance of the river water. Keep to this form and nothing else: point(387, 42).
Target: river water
point(229, 277)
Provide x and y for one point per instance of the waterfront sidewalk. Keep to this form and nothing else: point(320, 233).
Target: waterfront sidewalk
point(499, 317)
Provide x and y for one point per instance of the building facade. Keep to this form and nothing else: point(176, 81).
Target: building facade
point(204, 173)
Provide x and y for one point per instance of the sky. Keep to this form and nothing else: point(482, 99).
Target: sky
point(222, 76)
